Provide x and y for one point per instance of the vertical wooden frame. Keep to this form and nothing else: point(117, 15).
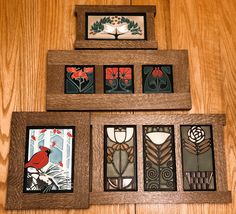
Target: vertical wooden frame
point(220, 195)
point(79, 198)
point(179, 99)
point(82, 41)
point(31, 140)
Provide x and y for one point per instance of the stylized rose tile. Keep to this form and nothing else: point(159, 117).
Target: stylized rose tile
point(118, 79)
point(157, 79)
point(112, 26)
point(198, 157)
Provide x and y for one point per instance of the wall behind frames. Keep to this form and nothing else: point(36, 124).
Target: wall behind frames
point(206, 28)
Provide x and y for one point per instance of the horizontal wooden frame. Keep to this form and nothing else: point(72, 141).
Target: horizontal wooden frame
point(97, 194)
point(58, 100)
point(82, 43)
point(79, 198)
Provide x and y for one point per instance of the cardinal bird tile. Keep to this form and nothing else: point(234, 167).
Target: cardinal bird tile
point(49, 159)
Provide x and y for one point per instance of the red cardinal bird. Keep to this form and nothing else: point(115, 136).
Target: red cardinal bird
point(39, 159)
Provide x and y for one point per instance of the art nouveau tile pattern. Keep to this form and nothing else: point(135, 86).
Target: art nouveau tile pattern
point(49, 159)
point(112, 26)
point(120, 158)
point(159, 158)
point(157, 79)
point(79, 79)
point(198, 157)
point(118, 79)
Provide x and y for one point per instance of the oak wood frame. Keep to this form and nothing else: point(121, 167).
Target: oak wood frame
point(99, 196)
point(16, 199)
point(58, 100)
point(83, 43)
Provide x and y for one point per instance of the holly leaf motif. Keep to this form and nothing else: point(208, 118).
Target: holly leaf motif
point(98, 26)
point(132, 26)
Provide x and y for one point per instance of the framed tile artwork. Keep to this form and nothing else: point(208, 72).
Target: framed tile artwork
point(134, 158)
point(157, 79)
point(177, 158)
point(79, 79)
point(120, 158)
point(198, 158)
point(49, 158)
point(159, 158)
point(105, 80)
point(118, 79)
point(115, 27)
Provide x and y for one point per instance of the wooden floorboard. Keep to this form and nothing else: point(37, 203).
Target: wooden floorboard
point(207, 28)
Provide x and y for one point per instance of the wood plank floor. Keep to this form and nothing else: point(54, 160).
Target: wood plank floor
point(207, 28)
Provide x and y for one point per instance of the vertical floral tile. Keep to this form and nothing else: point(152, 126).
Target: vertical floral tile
point(115, 26)
point(49, 159)
point(79, 79)
point(159, 158)
point(157, 78)
point(198, 157)
point(118, 79)
point(120, 158)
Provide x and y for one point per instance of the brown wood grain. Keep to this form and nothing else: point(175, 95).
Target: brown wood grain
point(159, 197)
point(207, 29)
point(28, 29)
point(117, 44)
point(162, 21)
point(80, 197)
point(82, 43)
point(99, 87)
point(122, 101)
point(98, 196)
point(58, 100)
